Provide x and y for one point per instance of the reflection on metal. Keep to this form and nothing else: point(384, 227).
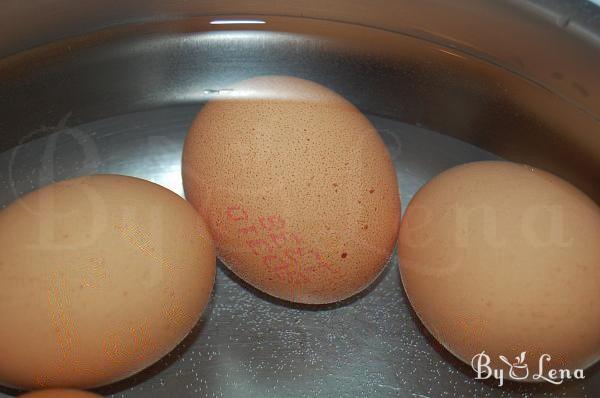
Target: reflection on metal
point(453, 53)
point(237, 22)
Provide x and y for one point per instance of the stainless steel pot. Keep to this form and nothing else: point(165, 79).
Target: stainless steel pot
point(112, 87)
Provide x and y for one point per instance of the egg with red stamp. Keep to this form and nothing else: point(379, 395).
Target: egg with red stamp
point(297, 187)
point(100, 277)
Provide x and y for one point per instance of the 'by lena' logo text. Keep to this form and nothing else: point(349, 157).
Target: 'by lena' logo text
point(519, 370)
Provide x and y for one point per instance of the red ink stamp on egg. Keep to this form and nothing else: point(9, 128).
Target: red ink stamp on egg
point(282, 252)
point(235, 213)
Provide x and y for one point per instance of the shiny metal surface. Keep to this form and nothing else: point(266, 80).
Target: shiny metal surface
point(121, 100)
point(251, 345)
point(514, 33)
point(154, 65)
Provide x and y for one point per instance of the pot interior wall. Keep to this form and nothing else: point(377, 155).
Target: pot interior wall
point(153, 65)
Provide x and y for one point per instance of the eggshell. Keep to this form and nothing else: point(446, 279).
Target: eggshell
point(100, 277)
point(297, 187)
point(59, 393)
point(504, 258)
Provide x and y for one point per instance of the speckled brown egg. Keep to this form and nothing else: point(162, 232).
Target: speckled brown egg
point(297, 187)
point(59, 393)
point(505, 258)
point(100, 277)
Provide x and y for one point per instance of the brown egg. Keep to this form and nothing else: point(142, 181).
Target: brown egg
point(59, 393)
point(100, 277)
point(504, 258)
point(297, 187)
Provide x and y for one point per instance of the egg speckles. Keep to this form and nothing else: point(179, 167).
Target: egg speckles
point(504, 258)
point(297, 187)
